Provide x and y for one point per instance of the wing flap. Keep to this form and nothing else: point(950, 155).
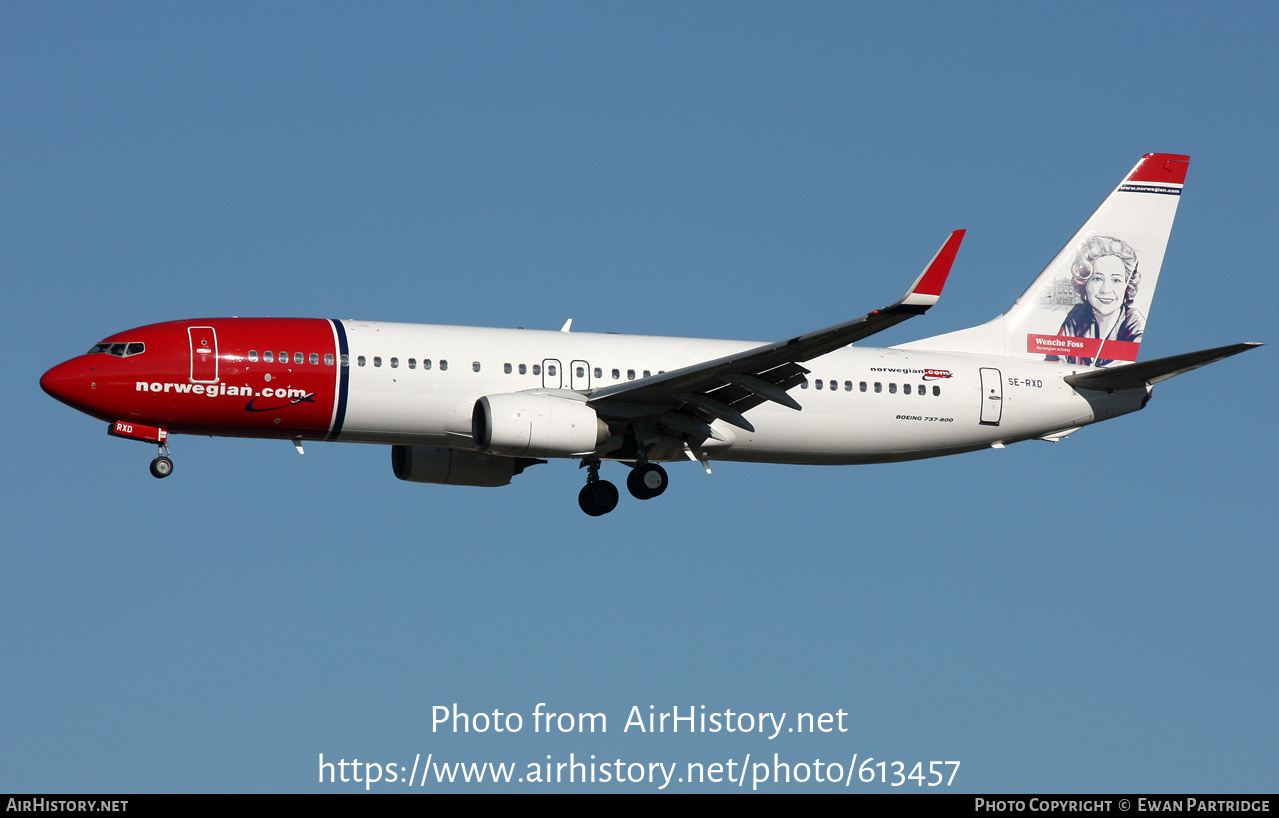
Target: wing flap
point(766, 386)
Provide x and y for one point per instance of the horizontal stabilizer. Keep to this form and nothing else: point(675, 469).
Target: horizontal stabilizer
point(1149, 373)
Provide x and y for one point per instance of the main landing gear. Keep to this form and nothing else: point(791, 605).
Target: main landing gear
point(599, 497)
point(646, 481)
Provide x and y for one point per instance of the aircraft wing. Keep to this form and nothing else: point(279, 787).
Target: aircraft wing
point(726, 387)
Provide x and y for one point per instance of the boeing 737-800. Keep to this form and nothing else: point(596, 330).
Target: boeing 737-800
point(475, 407)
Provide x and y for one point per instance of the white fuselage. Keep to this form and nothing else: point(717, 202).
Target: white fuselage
point(873, 404)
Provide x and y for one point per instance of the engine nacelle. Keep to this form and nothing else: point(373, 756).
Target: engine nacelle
point(532, 424)
point(435, 464)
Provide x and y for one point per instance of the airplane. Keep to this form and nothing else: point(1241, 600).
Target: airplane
point(476, 407)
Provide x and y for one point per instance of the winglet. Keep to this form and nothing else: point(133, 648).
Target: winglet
point(927, 288)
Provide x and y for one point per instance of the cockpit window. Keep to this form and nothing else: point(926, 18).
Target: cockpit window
point(120, 350)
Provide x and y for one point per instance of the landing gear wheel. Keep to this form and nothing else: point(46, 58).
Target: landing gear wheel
point(161, 467)
point(598, 498)
point(647, 481)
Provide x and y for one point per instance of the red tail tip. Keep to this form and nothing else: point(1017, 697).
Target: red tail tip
point(1168, 168)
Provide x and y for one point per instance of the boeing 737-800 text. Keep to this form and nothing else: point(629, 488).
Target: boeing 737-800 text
point(471, 406)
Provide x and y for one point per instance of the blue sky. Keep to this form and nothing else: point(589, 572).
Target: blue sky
point(1095, 615)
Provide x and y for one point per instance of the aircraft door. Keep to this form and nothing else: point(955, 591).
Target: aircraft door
point(992, 397)
point(204, 354)
point(552, 377)
point(580, 375)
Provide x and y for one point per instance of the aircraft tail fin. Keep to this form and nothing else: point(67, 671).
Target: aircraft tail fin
point(1090, 305)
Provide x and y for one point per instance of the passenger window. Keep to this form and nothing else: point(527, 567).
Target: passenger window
point(834, 386)
point(253, 356)
point(284, 357)
point(892, 389)
point(395, 363)
point(616, 374)
point(818, 383)
point(328, 359)
point(314, 358)
point(444, 365)
point(848, 386)
point(581, 371)
point(599, 373)
point(506, 368)
point(523, 369)
point(297, 357)
point(630, 374)
point(346, 359)
point(537, 369)
point(923, 390)
point(377, 360)
point(879, 387)
point(412, 363)
point(862, 386)
point(426, 363)
point(936, 391)
point(268, 356)
point(550, 370)
point(647, 374)
point(360, 360)
point(906, 388)
point(803, 384)
point(475, 366)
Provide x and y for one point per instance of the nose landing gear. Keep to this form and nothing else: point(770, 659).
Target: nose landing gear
point(162, 466)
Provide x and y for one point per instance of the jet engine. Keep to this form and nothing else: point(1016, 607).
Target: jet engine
point(533, 424)
point(435, 464)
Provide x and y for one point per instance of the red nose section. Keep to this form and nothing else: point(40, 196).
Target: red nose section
point(65, 382)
